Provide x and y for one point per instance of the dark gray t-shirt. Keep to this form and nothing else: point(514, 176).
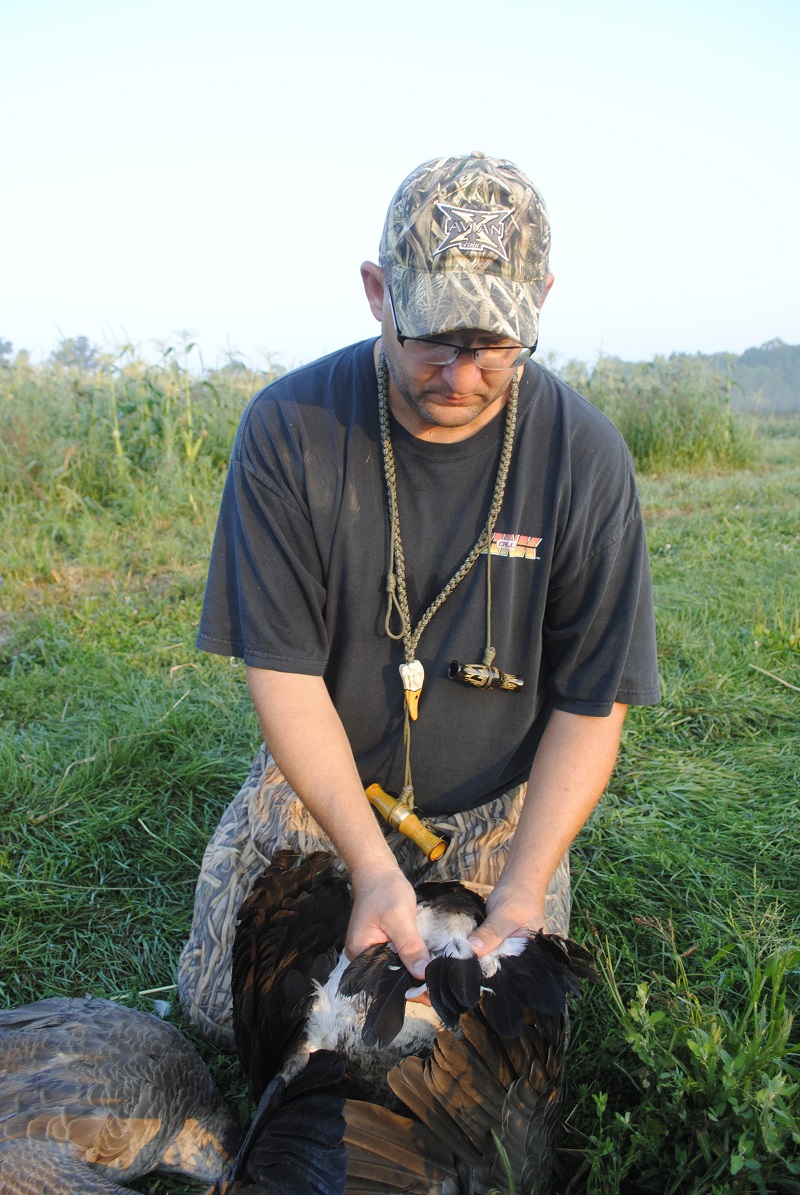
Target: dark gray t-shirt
point(297, 581)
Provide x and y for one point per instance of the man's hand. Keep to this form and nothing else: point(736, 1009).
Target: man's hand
point(511, 912)
point(384, 910)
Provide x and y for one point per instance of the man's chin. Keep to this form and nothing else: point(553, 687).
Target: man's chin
point(452, 413)
point(457, 418)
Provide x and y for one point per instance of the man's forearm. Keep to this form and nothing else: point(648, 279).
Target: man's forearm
point(573, 764)
point(306, 738)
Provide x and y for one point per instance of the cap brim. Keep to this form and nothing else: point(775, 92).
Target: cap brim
point(430, 303)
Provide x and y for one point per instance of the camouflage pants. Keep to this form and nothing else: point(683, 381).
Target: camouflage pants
point(267, 816)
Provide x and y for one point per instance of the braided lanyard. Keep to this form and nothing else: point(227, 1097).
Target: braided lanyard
point(412, 671)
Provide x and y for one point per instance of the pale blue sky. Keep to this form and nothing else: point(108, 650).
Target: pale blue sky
point(225, 167)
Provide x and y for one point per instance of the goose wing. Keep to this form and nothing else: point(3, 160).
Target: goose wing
point(378, 975)
point(290, 932)
point(478, 1085)
point(108, 1085)
point(474, 1085)
point(541, 977)
point(37, 1168)
point(533, 1108)
point(499, 1070)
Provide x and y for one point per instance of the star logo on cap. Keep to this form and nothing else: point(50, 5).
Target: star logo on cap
point(473, 230)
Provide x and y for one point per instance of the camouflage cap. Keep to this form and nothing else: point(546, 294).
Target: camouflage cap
point(465, 245)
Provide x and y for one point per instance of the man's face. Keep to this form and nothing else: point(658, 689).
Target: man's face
point(446, 396)
point(445, 402)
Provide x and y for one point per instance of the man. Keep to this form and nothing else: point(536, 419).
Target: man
point(430, 555)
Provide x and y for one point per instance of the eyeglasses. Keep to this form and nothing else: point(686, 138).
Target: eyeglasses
point(438, 352)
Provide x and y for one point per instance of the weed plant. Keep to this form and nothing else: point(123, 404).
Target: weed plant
point(120, 746)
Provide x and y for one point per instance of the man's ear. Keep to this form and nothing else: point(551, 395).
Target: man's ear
point(374, 287)
point(548, 282)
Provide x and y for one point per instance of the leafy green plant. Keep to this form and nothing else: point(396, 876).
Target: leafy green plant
point(717, 1065)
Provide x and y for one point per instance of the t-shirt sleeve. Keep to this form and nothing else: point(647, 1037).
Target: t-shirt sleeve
point(599, 634)
point(265, 596)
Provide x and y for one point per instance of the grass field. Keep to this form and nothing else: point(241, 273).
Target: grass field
point(120, 745)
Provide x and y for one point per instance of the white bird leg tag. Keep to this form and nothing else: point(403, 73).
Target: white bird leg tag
point(413, 675)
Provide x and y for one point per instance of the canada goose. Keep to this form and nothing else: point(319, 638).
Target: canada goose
point(93, 1093)
point(488, 1059)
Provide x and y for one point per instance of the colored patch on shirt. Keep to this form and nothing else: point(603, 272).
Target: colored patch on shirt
point(523, 546)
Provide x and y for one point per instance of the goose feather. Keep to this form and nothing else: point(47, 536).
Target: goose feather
point(96, 1083)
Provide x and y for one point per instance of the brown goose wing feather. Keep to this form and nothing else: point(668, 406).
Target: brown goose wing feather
point(392, 1152)
point(490, 1048)
point(534, 1105)
point(475, 1109)
point(411, 1082)
point(459, 1096)
point(467, 1069)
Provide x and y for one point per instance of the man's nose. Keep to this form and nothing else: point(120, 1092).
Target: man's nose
point(463, 373)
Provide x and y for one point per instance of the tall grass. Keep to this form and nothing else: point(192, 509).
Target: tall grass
point(673, 412)
point(86, 435)
point(120, 745)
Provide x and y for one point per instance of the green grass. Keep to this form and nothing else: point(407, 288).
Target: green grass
point(120, 745)
point(689, 871)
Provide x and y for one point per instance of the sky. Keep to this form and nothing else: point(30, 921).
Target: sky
point(219, 171)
